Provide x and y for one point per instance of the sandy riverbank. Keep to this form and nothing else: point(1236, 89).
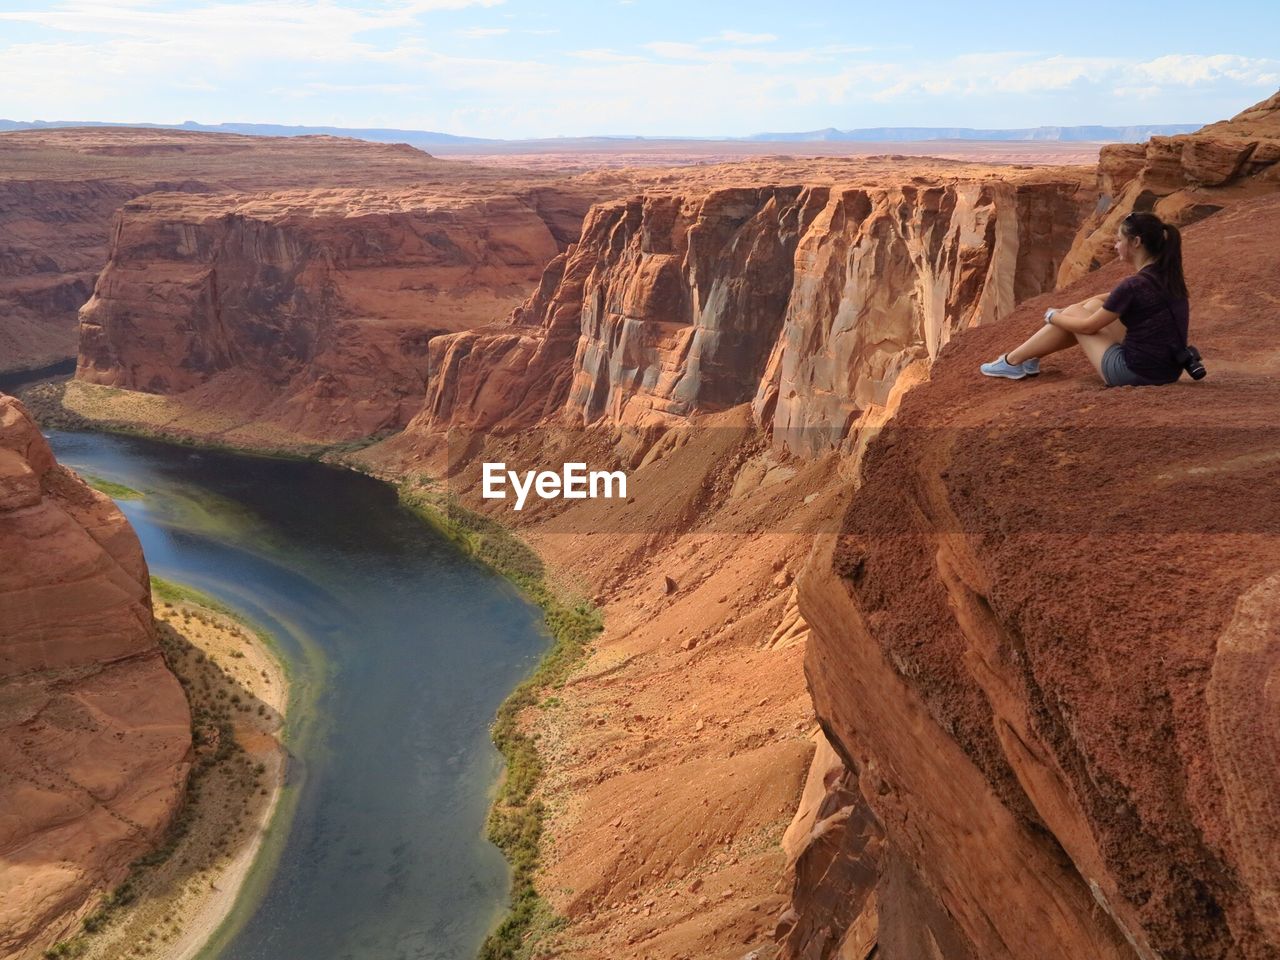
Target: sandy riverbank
point(239, 694)
point(75, 403)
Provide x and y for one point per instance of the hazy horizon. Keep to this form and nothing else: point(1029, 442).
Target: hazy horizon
point(515, 69)
point(268, 128)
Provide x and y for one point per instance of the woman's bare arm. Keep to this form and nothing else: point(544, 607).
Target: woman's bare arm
point(1087, 324)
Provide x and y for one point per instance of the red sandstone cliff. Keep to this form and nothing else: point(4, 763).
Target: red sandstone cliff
point(1038, 747)
point(806, 300)
point(1042, 647)
point(313, 309)
point(52, 245)
point(95, 733)
point(59, 190)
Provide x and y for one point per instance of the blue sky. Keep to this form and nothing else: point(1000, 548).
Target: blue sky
point(517, 68)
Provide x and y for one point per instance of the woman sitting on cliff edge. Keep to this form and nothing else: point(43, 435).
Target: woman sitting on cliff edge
point(1148, 346)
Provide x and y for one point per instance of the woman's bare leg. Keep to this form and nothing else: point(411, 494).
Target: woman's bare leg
point(1084, 308)
point(1050, 339)
point(1096, 344)
point(1043, 342)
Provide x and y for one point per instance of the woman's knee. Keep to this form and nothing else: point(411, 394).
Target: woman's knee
point(1085, 308)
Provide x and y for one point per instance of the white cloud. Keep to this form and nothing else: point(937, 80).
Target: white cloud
point(736, 36)
point(151, 18)
point(607, 55)
point(1183, 70)
point(479, 33)
point(1019, 74)
point(225, 32)
point(381, 89)
point(674, 50)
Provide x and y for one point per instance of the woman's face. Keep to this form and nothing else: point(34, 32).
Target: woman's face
point(1127, 247)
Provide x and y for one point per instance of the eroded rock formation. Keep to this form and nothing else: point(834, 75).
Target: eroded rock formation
point(95, 732)
point(806, 300)
point(1039, 648)
point(61, 188)
point(52, 245)
point(885, 278)
point(1182, 179)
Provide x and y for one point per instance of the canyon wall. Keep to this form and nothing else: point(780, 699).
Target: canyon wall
point(806, 301)
point(60, 189)
point(52, 244)
point(1040, 644)
point(95, 732)
point(885, 278)
point(311, 309)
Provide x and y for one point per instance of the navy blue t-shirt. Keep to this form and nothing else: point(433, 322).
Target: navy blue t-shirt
point(1155, 325)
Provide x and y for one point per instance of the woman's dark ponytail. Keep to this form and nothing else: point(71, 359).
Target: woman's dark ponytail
point(1164, 242)
point(1170, 263)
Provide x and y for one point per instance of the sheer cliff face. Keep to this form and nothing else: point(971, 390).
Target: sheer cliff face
point(805, 301)
point(315, 307)
point(1045, 664)
point(52, 244)
point(1182, 179)
point(666, 304)
point(884, 278)
point(95, 733)
point(685, 297)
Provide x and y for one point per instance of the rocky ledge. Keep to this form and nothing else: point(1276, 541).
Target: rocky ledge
point(1045, 651)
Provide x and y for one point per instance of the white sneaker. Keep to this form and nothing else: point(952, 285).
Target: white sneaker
point(1000, 367)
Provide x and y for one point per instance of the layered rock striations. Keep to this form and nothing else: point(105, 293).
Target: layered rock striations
point(95, 732)
point(666, 304)
point(1182, 179)
point(885, 278)
point(805, 300)
point(311, 309)
point(1043, 646)
point(52, 245)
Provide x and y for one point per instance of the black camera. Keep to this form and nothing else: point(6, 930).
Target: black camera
point(1189, 359)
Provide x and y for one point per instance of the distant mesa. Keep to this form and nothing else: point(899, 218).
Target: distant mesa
point(1080, 134)
point(377, 135)
point(1084, 134)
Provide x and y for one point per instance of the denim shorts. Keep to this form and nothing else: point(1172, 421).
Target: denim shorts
point(1116, 372)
